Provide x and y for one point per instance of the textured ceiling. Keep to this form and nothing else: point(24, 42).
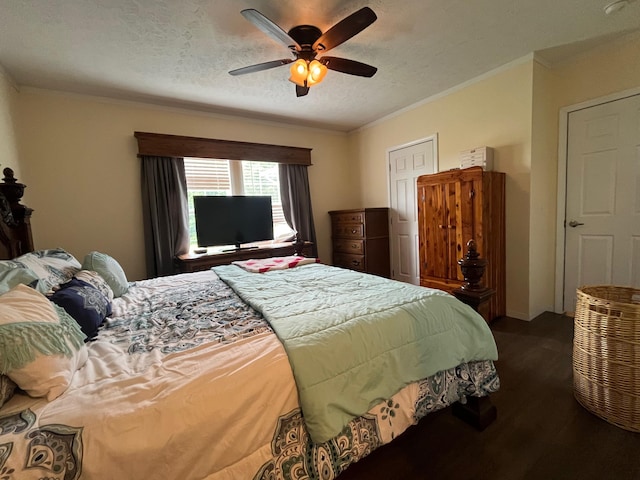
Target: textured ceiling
point(178, 53)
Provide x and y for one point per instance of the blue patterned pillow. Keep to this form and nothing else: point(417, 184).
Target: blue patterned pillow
point(53, 267)
point(85, 303)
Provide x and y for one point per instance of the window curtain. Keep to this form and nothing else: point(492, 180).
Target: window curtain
point(165, 213)
point(296, 202)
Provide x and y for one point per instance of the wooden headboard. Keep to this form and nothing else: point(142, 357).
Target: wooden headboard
point(15, 221)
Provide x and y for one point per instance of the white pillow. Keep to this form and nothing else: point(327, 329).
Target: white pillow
point(41, 346)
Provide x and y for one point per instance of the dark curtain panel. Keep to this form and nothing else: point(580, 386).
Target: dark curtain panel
point(165, 213)
point(296, 202)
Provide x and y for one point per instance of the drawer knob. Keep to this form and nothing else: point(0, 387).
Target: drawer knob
point(354, 245)
point(356, 263)
point(353, 230)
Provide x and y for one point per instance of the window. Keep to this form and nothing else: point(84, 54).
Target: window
point(207, 176)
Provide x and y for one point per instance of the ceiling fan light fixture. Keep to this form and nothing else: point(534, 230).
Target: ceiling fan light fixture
point(306, 41)
point(317, 71)
point(299, 72)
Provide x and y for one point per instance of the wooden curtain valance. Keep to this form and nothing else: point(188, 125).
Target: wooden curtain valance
point(157, 144)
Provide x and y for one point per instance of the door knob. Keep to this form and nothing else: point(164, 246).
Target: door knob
point(574, 224)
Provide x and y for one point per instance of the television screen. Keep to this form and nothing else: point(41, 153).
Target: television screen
point(234, 220)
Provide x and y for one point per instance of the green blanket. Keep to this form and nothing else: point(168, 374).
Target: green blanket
point(355, 339)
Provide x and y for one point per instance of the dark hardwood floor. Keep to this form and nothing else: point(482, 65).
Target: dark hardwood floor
point(541, 432)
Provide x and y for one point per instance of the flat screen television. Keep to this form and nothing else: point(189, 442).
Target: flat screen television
point(232, 220)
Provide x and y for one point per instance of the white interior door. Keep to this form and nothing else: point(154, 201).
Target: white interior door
point(406, 164)
point(602, 223)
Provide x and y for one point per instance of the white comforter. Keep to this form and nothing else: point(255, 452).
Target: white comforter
point(185, 391)
point(190, 414)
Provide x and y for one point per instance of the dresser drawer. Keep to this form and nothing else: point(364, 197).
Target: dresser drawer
point(348, 230)
point(343, 245)
point(346, 260)
point(348, 217)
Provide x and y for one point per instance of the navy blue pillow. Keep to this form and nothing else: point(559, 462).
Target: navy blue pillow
point(85, 303)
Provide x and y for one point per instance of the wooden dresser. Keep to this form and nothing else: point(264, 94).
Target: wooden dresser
point(454, 207)
point(360, 240)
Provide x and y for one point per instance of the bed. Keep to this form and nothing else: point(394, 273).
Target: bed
point(295, 372)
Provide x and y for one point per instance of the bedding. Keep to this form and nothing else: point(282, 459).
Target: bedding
point(96, 281)
point(41, 346)
point(371, 335)
point(185, 380)
point(52, 267)
point(262, 265)
point(17, 276)
point(86, 304)
point(109, 270)
point(7, 388)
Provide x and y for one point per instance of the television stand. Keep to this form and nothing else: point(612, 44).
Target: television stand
point(192, 262)
point(237, 248)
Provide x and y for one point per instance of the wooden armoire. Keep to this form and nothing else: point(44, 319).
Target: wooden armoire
point(454, 207)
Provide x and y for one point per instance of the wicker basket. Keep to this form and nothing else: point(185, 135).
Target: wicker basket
point(606, 354)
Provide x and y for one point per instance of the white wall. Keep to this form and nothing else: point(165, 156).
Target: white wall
point(495, 111)
point(603, 71)
point(543, 202)
point(8, 143)
point(79, 160)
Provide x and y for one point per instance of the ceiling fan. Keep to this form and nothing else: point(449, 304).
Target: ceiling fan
point(306, 42)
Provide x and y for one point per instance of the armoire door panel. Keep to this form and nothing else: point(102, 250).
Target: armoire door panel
point(431, 196)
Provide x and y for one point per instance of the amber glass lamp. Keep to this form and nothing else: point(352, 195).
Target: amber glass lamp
point(307, 74)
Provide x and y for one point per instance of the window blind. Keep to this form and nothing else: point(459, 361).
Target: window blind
point(216, 177)
point(262, 178)
point(205, 174)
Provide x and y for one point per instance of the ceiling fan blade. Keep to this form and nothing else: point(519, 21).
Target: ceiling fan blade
point(351, 67)
point(301, 91)
point(270, 28)
point(345, 29)
point(260, 66)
